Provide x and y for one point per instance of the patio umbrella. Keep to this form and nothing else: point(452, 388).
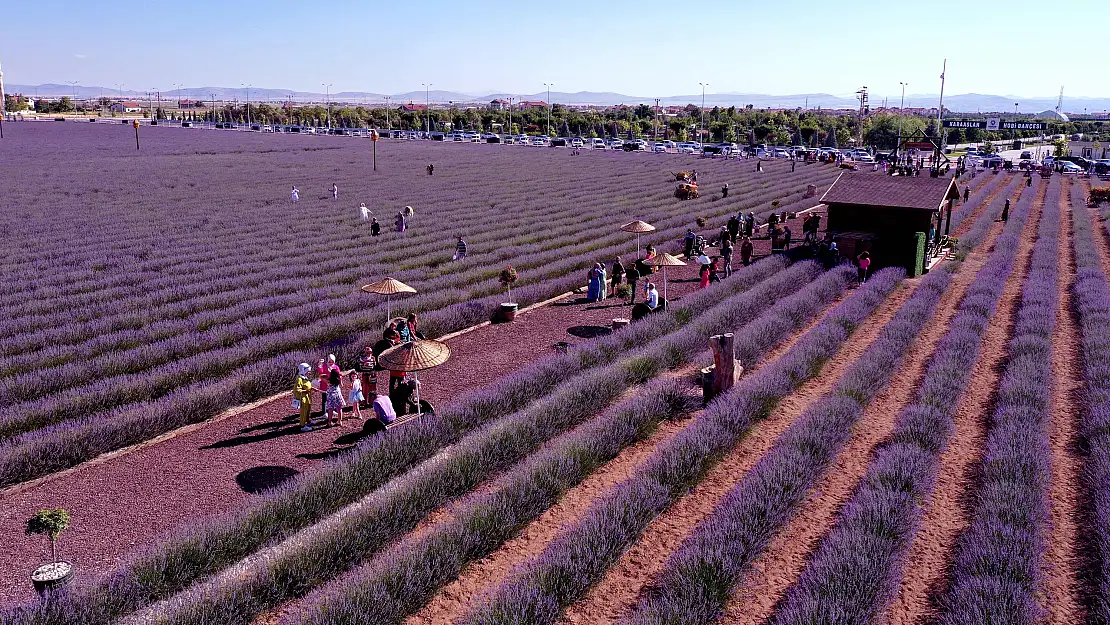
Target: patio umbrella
point(665, 260)
point(638, 227)
point(415, 356)
point(388, 287)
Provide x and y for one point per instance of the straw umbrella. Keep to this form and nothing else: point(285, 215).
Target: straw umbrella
point(638, 227)
point(665, 260)
point(388, 287)
point(415, 356)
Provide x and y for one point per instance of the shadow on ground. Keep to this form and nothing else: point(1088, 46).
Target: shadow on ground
point(258, 479)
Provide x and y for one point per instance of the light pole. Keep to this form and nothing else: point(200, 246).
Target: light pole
point(119, 86)
point(655, 130)
point(703, 86)
point(1015, 120)
point(510, 116)
point(861, 95)
point(327, 99)
point(548, 85)
point(428, 104)
point(387, 124)
point(247, 90)
point(901, 116)
point(73, 86)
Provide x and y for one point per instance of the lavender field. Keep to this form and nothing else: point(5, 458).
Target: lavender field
point(901, 450)
point(152, 289)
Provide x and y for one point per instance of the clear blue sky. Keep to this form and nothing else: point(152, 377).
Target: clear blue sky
point(642, 48)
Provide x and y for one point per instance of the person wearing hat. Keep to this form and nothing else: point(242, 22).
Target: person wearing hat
point(302, 394)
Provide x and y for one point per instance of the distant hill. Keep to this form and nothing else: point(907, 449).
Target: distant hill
point(967, 102)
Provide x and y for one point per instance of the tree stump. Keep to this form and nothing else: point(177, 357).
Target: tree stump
point(726, 369)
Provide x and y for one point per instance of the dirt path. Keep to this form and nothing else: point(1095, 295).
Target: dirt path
point(1061, 587)
point(924, 575)
point(774, 571)
point(617, 592)
point(130, 500)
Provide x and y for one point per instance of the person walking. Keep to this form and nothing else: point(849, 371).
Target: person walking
point(726, 257)
point(1006, 211)
point(296, 195)
point(375, 227)
point(460, 248)
point(617, 274)
point(363, 212)
point(786, 236)
point(400, 222)
point(967, 193)
point(733, 228)
point(864, 262)
point(633, 275)
point(704, 274)
point(724, 190)
point(334, 191)
point(431, 169)
point(689, 241)
point(793, 165)
point(302, 395)
point(746, 249)
point(759, 165)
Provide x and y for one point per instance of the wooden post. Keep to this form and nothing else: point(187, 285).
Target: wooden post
point(136, 125)
point(726, 369)
point(948, 221)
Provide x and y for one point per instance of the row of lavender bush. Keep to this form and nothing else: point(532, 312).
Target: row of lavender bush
point(1092, 303)
point(996, 571)
point(855, 569)
point(203, 550)
point(975, 235)
point(386, 516)
point(576, 559)
point(699, 577)
point(165, 367)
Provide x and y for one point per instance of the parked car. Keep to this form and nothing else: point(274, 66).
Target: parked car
point(781, 153)
point(539, 141)
point(597, 143)
point(686, 148)
point(659, 147)
point(1026, 155)
point(864, 158)
point(1070, 168)
point(576, 142)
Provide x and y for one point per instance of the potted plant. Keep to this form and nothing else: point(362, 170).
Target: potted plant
point(508, 309)
point(56, 573)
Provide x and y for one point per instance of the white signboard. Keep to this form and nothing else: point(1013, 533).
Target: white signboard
point(993, 123)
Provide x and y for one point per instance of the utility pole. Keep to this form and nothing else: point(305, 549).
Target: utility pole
point(247, 88)
point(548, 85)
point(861, 95)
point(327, 98)
point(703, 86)
point(940, 111)
point(387, 124)
point(655, 130)
point(510, 116)
point(901, 116)
point(428, 105)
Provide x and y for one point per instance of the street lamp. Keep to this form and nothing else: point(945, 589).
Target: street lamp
point(548, 85)
point(703, 86)
point(387, 125)
point(510, 116)
point(428, 105)
point(901, 116)
point(861, 95)
point(73, 85)
point(327, 99)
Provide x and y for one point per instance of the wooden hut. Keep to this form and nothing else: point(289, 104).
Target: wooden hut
point(888, 216)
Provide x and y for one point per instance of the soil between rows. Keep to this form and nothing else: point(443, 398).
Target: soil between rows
point(618, 591)
point(1062, 556)
point(926, 568)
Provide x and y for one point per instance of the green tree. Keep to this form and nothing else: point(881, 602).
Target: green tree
point(830, 139)
point(51, 523)
point(1060, 148)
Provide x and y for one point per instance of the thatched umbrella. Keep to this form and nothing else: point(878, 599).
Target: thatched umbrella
point(388, 287)
point(415, 356)
point(665, 260)
point(638, 227)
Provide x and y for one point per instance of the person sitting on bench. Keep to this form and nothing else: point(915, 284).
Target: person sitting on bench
point(383, 409)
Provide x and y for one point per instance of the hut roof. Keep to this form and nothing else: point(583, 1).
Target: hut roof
point(873, 189)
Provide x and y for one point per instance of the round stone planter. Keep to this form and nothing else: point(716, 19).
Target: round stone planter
point(508, 311)
point(52, 576)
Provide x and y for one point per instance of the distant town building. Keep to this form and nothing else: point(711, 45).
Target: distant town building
point(190, 104)
point(499, 105)
point(532, 104)
point(125, 107)
point(411, 108)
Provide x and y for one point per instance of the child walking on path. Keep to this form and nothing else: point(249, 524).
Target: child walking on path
point(333, 405)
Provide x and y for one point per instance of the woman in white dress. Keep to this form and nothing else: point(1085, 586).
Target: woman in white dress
point(296, 195)
point(363, 212)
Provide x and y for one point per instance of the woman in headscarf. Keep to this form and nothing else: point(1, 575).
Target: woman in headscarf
point(604, 281)
point(593, 287)
point(302, 394)
point(400, 222)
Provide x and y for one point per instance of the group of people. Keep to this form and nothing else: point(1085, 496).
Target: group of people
point(295, 194)
point(601, 283)
point(362, 383)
